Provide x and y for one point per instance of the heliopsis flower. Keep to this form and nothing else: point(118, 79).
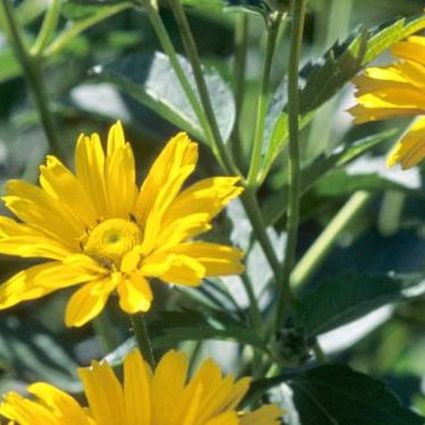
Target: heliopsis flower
point(162, 397)
point(393, 91)
point(96, 229)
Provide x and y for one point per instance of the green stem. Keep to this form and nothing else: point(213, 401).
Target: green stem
point(48, 26)
point(263, 100)
point(104, 330)
point(142, 338)
point(253, 211)
point(255, 312)
point(32, 72)
point(326, 240)
point(284, 297)
point(193, 56)
point(241, 49)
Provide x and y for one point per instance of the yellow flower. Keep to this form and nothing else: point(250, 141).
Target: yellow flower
point(96, 228)
point(162, 397)
point(393, 91)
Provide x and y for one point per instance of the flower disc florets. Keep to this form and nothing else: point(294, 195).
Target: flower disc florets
point(109, 241)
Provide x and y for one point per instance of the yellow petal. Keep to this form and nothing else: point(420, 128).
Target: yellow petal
point(104, 394)
point(218, 260)
point(137, 396)
point(120, 174)
point(135, 294)
point(265, 415)
point(410, 149)
point(88, 301)
point(35, 207)
point(90, 170)
point(22, 286)
point(59, 401)
point(179, 153)
point(25, 241)
point(62, 185)
point(167, 384)
point(174, 268)
point(412, 49)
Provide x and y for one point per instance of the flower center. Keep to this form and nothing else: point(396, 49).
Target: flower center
point(110, 240)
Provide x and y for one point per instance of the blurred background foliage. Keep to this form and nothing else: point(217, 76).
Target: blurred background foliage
point(389, 233)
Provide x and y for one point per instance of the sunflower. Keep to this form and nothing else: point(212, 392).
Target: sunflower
point(162, 397)
point(393, 91)
point(96, 229)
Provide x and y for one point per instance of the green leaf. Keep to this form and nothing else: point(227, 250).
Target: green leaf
point(325, 76)
point(258, 6)
point(150, 79)
point(275, 206)
point(337, 395)
point(340, 182)
point(188, 325)
point(31, 351)
point(346, 297)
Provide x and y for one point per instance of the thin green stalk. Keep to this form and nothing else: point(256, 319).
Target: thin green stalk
point(32, 72)
point(239, 66)
point(249, 200)
point(142, 337)
point(193, 56)
point(323, 244)
point(105, 332)
point(255, 313)
point(263, 100)
point(48, 27)
point(284, 290)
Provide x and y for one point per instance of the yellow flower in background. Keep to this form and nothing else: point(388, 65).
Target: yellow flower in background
point(393, 91)
point(162, 397)
point(96, 228)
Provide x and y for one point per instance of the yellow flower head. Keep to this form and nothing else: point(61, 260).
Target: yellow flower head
point(162, 397)
point(393, 91)
point(96, 229)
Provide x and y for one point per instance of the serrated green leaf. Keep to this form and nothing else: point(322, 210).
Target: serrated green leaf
point(337, 395)
point(150, 79)
point(346, 297)
point(326, 76)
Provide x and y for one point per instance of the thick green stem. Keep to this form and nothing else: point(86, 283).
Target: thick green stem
point(193, 56)
point(32, 72)
point(142, 338)
point(263, 100)
point(253, 211)
point(284, 290)
point(323, 244)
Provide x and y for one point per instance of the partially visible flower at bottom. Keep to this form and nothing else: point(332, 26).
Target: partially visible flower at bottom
point(162, 397)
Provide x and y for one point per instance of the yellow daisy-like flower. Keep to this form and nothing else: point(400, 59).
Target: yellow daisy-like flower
point(162, 397)
point(96, 228)
point(393, 91)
